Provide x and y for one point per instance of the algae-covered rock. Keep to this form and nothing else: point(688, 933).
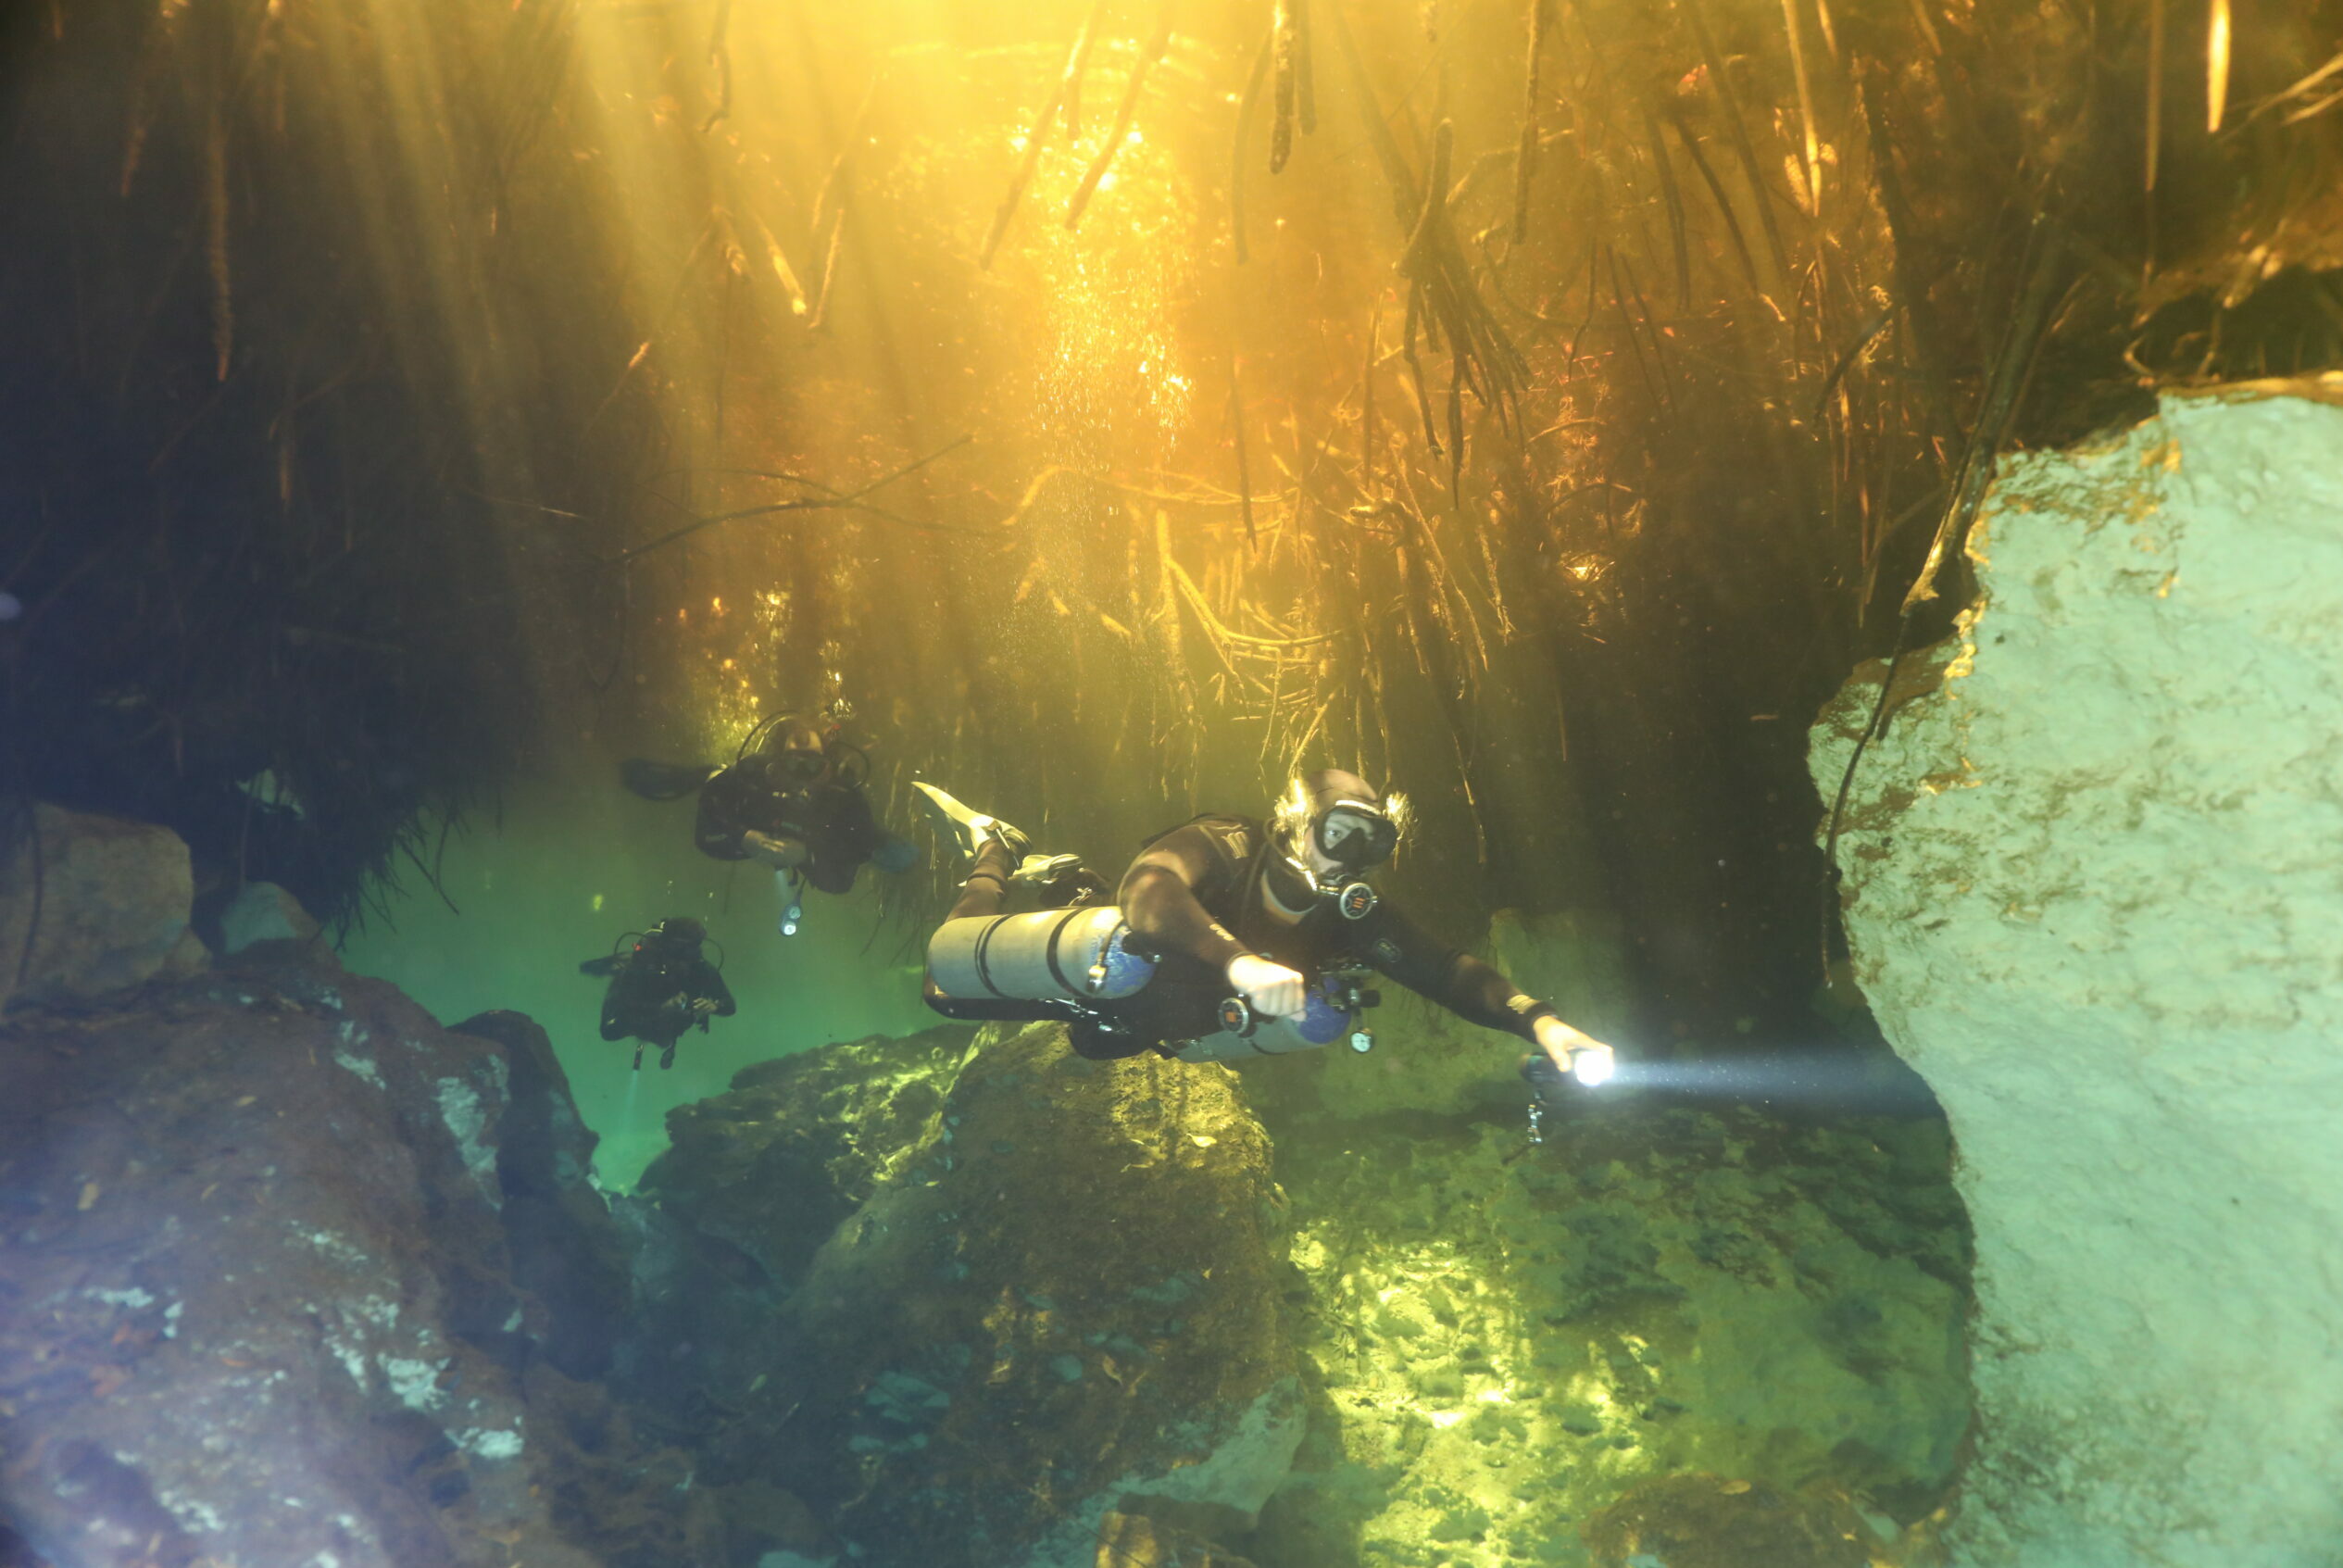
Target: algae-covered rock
point(1070, 1293)
point(1513, 1337)
point(2090, 889)
point(1135, 1541)
point(774, 1166)
point(563, 1245)
point(267, 1255)
point(262, 912)
point(723, 1225)
point(1709, 1522)
point(90, 904)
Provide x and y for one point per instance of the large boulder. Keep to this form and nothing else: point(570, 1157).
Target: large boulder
point(777, 1162)
point(1064, 1298)
point(91, 905)
point(257, 1295)
point(259, 911)
point(563, 1247)
point(727, 1221)
point(1512, 1337)
point(1697, 1521)
point(2091, 891)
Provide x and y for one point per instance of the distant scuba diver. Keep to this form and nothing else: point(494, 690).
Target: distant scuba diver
point(1228, 937)
point(791, 797)
point(661, 987)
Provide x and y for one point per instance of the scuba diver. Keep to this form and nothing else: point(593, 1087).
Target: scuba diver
point(791, 798)
point(660, 988)
point(1228, 937)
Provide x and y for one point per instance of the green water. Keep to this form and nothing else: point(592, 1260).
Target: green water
point(571, 867)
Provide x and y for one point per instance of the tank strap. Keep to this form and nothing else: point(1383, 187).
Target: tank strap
point(1050, 955)
point(983, 942)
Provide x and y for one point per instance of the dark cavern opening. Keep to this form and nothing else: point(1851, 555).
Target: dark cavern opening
point(1323, 783)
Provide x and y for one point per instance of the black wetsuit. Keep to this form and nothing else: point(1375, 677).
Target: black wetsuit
point(1192, 898)
point(644, 985)
point(832, 821)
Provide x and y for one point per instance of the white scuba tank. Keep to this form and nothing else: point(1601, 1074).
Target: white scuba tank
point(1080, 954)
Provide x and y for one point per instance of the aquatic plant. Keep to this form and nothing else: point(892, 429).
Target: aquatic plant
point(1539, 405)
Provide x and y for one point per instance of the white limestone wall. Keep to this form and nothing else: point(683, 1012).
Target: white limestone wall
point(2095, 892)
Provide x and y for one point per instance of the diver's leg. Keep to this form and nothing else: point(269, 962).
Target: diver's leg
point(987, 885)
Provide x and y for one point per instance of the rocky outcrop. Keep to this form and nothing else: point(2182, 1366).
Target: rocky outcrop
point(290, 1276)
point(1061, 1294)
point(1064, 1324)
point(1698, 1521)
point(2091, 893)
point(259, 911)
point(774, 1166)
point(1512, 1337)
point(563, 1245)
point(91, 905)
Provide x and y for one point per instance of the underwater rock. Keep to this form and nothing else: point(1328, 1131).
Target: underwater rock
point(2091, 893)
point(563, 1245)
point(725, 1222)
point(1135, 1541)
point(103, 900)
point(258, 1301)
point(261, 911)
point(777, 1164)
point(1698, 1521)
point(1064, 1295)
point(1511, 1336)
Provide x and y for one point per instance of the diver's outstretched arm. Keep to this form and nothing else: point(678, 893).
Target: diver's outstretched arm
point(1476, 992)
point(987, 888)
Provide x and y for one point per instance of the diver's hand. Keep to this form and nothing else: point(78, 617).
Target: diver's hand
point(1268, 987)
point(782, 854)
point(679, 1002)
point(1576, 1052)
point(703, 1007)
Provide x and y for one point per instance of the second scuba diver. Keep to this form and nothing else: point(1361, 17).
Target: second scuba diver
point(660, 988)
point(1228, 927)
point(793, 799)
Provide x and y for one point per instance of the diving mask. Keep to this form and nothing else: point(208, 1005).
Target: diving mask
point(1355, 835)
point(795, 769)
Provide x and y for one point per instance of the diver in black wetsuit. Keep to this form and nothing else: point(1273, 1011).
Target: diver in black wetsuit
point(660, 988)
point(1230, 905)
point(793, 799)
